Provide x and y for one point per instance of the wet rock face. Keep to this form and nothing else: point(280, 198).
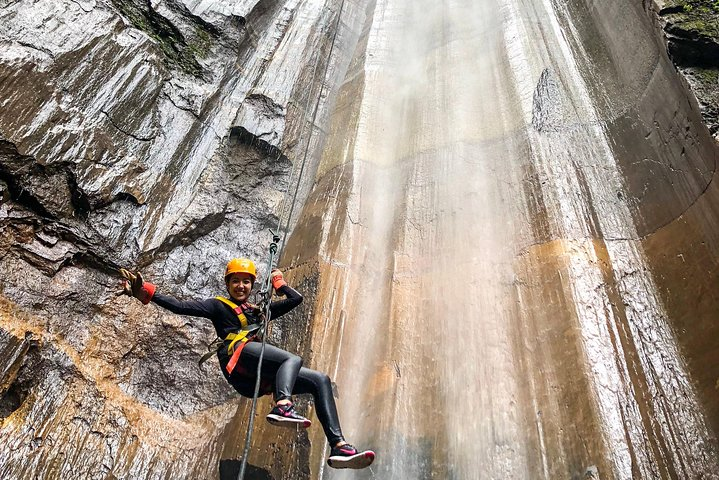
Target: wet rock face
point(162, 136)
point(526, 228)
point(152, 135)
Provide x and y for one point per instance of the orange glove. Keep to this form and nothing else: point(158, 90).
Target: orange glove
point(278, 280)
point(135, 286)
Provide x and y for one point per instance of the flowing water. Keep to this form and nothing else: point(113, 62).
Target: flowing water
point(485, 302)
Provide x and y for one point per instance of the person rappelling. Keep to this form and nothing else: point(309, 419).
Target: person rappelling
point(237, 322)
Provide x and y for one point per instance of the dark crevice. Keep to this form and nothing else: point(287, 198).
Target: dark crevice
point(691, 32)
point(14, 168)
point(671, 9)
point(81, 6)
point(25, 231)
point(78, 198)
point(181, 9)
point(21, 196)
point(31, 46)
point(100, 203)
point(687, 50)
point(17, 383)
point(230, 469)
point(91, 260)
point(125, 197)
point(187, 236)
point(179, 107)
point(11, 400)
point(240, 136)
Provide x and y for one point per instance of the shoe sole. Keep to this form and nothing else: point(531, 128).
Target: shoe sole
point(287, 422)
point(360, 460)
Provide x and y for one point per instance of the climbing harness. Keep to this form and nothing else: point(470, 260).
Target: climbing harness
point(246, 334)
point(237, 310)
point(211, 350)
point(242, 337)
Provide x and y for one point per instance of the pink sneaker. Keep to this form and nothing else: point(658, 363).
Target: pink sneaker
point(347, 456)
point(285, 416)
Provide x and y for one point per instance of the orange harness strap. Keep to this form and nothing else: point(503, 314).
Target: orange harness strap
point(236, 354)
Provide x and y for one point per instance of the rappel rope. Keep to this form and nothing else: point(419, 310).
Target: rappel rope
point(267, 290)
point(267, 293)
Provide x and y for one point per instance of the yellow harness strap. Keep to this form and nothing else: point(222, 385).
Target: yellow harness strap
point(240, 336)
point(243, 336)
point(236, 309)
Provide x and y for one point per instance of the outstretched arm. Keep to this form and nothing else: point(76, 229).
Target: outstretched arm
point(136, 287)
point(280, 307)
point(196, 308)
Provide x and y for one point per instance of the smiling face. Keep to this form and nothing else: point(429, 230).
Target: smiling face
point(239, 286)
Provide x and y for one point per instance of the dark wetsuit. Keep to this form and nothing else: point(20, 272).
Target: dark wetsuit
point(281, 368)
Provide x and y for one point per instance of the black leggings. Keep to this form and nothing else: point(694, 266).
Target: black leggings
point(291, 378)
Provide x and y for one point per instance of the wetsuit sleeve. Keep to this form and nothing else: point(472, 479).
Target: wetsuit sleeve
point(196, 308)
point(280, 307)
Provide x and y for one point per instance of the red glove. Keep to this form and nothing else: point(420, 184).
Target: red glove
point(278, 280)
point(134, 286)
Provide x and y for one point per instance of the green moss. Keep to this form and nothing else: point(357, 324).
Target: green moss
point(708, 76)
point(200, 47)
point(705, 7)
point(177, 52)
point(698, 16)
point(701, 26)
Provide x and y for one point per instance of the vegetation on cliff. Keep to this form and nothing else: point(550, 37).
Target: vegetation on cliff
point(692, 28)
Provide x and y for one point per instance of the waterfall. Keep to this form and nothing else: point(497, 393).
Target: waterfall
point(485, 299)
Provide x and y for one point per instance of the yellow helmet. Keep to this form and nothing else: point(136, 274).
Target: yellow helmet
point(241, 265)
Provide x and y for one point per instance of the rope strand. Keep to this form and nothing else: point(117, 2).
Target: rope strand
point(268, 295)
point(273, 246)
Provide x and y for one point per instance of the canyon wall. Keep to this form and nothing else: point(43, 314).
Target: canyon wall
point(503, 218)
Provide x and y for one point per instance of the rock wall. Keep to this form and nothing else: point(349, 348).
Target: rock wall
point(515, 262)
point(153, 135)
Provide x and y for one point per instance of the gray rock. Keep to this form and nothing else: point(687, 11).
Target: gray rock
point(120, 146)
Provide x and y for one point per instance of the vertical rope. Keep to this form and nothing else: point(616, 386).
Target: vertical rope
point(267, 290)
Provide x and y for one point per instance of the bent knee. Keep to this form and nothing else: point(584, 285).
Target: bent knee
point(324, 381)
